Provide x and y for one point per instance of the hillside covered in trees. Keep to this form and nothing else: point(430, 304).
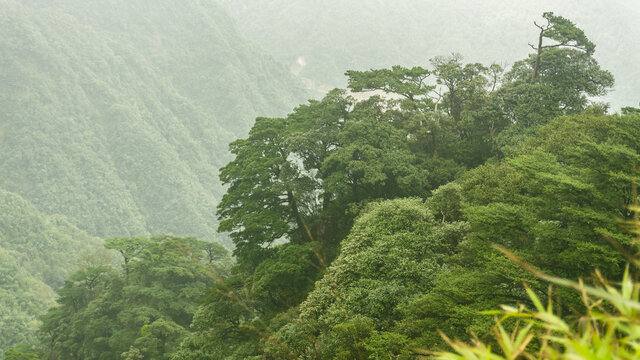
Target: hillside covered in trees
point(117, 115)
point(37, 253)
point(156, 203)
point(114, 119)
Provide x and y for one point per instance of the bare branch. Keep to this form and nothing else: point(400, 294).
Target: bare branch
point(538, 26)
point(439, 93)
point(562, 44)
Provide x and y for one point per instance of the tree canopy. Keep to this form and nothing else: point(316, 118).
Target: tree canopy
point(364, 222)
point(141, 310)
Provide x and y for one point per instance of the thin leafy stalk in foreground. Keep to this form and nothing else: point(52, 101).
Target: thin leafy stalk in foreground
point(609, 328)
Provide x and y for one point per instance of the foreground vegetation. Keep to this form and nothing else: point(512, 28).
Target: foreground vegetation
point(409, 268)
point(608, 327)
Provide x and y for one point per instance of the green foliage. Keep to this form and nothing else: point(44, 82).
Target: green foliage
point(465, 84)
point(157, 341)
point(557, 80)
point(554, 202)
point(446, 202)
point(36, 254)
point(630, 110)
point(608, 327)
point(49, 245)
point(565, 33)
point(409, 83)
point(306, 202)
point(21, 352)
point(394, 251)
point(115, 118)
point(140, 312)
point(260, 203)
point(299, 178)
point(409, 268)
point(285, 279)
point(362, 223)
point(225, 325)
point(568, 77)
point(23, 297)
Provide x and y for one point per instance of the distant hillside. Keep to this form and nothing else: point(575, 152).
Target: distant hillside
point(37, 252)
point(322, 39)
point(116, 115)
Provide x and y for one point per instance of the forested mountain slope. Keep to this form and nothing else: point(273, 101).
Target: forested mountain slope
point(322, 39)
point(116, 115)
point(37, 253)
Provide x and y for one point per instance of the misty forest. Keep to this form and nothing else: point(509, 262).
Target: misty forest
point(338, 179)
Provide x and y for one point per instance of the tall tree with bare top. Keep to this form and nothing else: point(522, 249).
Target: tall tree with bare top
point(564, 33)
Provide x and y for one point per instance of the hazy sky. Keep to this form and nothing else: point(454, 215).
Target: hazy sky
point(319, 40)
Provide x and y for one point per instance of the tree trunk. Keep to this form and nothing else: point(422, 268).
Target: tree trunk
point(537, 65)
point(492, 131)
point(306, 233)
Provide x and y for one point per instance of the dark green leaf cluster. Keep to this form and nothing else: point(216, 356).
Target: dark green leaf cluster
point(565, 33)
point(141, 311)
point(21, 352)
point(302, 178)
